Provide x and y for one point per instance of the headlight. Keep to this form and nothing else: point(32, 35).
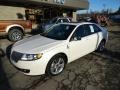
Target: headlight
point(31, 56)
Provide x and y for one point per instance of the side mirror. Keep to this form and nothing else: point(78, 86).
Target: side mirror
point(75, 39)
point(78, 38)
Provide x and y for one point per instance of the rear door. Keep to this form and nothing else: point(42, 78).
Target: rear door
point(85, 42)
point(91, 37)
point(99, 33)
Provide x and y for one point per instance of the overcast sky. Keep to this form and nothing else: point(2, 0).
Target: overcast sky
point(98, 5)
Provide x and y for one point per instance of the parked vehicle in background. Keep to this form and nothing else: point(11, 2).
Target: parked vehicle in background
point(51, 51)
point(114, 19)
point(102, 20)
point(91, 19)
point(14, 29)
point(54, 21)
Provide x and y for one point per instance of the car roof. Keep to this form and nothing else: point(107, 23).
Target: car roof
point(78, 23)
point(62, 17)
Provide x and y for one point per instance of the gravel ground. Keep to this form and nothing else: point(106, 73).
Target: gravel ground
point(96, 71)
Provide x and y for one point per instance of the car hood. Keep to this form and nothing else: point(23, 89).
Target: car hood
point(47, 26)
point(35, 44)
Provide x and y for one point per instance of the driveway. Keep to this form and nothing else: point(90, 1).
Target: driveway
point(95, 71)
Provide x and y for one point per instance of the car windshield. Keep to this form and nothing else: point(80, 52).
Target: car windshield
point(59, 31)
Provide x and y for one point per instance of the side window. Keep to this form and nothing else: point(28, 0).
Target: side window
point(59, 21)
point(96, 28)
point(87, 30)
point(65, 20)
point(78, 33)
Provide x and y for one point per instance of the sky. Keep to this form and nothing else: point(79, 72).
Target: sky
point(98, 5)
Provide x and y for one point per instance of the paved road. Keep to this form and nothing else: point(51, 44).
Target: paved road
point(96, 71)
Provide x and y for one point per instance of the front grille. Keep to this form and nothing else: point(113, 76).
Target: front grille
point(16, 56)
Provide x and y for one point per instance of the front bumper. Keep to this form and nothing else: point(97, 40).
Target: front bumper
point(35, 67)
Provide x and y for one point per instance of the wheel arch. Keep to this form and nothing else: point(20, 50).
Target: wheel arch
point(103, 40)
point(98, 47)
point(10, 27)
point(65, 56)
point(61, 53)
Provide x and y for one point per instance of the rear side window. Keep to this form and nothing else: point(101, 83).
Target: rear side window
point(96, 28)
point(86, 30)
point(92, 30)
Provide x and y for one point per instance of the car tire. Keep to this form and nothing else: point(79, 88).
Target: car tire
point(101, 46)
point(15, 34)
point(56, 65)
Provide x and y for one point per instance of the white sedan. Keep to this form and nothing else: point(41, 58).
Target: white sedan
point(49, 52)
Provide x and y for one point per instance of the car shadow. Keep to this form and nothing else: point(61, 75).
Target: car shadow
point(115, 32)
point(112, 71)
point(38, 82)
point(4, 82)
point(113, 56)
point(3, 37)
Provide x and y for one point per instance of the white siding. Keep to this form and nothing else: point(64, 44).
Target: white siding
point(12, 13)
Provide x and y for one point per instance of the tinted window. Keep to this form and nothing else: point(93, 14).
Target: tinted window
point(91, 29)
point(78, 33)
point(59, 21)
point(59, 32)
point(96, 28)
point(65, 20)
point(87, 30)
